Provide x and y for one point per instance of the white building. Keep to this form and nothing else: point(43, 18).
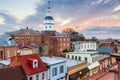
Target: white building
point(83, 46)
point(90, 57)
point(56, 68)
point(85, 51)
point(69, 68)
point(49, 20)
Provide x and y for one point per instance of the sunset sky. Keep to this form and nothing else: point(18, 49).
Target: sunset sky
point(100, 18)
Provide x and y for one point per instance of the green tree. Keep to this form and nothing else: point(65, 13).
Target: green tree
point(65, 50)
point(41, 50)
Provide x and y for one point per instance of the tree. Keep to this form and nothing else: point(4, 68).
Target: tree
point(75, 36)
point(68, 30)
point(94, 39)
point(65, 50)
point(41, 50)
point(81, 37)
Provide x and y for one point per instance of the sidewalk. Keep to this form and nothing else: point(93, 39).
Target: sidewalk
point(99, 74)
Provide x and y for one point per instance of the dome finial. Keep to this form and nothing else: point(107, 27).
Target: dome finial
point(48, 9)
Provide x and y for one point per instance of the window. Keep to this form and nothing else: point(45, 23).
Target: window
point(61, 49)
point(75, 57)
point(30, 78)
point(61, 69)
point(84, 46)
point(37, 77)
point(22, 38)
point(46, 27)
point(79, 58)
point(68, 56)
point(49, 26)
point(1, 54)
point(35, 63)
point(27, 38)
point(88, 45)
point(54, 71)
point(68, 44)
point(43, 75)
point(72, 57)
point(27, 33)
point(61, 44)
point(60, 39)
point(85, 58)
point(67, 39)
point(17, 38)
point(64, 39)
point(64, 44)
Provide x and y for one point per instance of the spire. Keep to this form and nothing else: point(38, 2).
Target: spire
point(48, 9)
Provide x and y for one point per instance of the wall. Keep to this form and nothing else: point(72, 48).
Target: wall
point(40, 76)
point(80, 46)
point(59, 75)
point(8, 52)
point(61, 43)
point(26, 37)
point(83, 55)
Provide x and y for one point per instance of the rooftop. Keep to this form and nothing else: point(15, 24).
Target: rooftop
point(22, 30)
point(51, 61)
point(6, 40)
point(5, 62)
point(69, 62)
point(23, 59)
point(101, 56)
point(86, 52)
point(12, 73)
point(105, 49)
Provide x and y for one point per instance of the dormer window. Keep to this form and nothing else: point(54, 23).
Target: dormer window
point(35, 63)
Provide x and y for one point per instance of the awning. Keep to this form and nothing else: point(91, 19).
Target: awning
point(93, 65)
point(74, 76)
point(84, 71)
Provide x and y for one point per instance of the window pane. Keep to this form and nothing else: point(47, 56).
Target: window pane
point(37, 77)
point(61, 69)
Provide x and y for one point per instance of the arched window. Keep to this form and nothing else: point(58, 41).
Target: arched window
point(35, 63)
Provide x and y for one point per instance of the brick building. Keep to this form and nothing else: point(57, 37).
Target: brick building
point(26, 36)
point(62, 43)
point(108, 42)
point(8, 47)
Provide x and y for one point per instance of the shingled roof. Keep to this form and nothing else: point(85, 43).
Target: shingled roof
point(105, 49)
point(6, 40)
point(29, 70)
point(22, 30)
point(12, 73)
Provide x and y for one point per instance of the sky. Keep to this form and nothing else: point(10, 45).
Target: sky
point(100, 18)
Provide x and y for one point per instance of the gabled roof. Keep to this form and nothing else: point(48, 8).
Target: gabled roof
point(105, 49)
point(6, 40)
point(22, 30)
point(29, 70)
point(12, 73)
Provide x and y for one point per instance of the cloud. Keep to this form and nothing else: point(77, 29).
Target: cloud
point(117, 8)
point(9, 22)
point(102, 32)
point(1, 21)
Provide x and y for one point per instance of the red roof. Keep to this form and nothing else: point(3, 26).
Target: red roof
point(24, 61)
